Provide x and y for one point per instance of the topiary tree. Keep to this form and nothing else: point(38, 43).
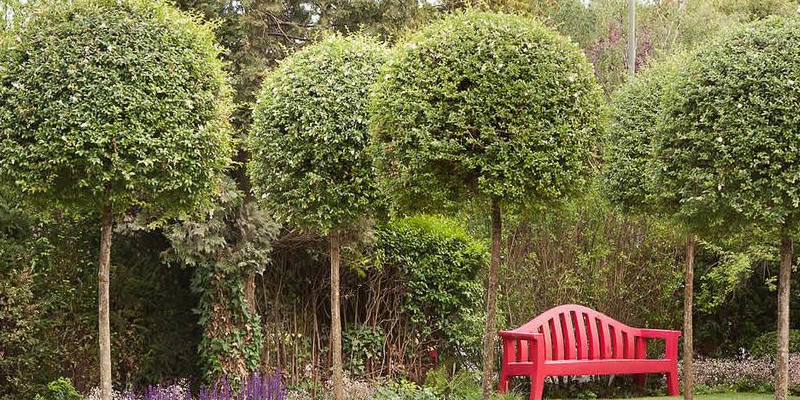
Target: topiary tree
point(488, 107)
point(628, 177)
point(629, 145)
point(307, 142)
point(728, 155)
point(108, 106)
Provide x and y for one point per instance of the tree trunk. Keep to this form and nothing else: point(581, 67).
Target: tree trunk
point(336, 321)
point(103, 307)
point(631, 38)
point(250, 291)
point(688, 329)
point(491, 303)
point(782, 359)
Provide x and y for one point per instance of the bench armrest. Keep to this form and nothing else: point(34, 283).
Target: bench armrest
point(659, 334)
point(670, 339)
point(515, 352)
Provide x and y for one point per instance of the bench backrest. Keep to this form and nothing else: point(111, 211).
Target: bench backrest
point(575, 332)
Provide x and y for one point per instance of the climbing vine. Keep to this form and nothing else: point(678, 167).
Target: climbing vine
point(230, 244)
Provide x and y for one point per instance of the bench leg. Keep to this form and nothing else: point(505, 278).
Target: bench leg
point(672, 383)
point(537, 386)
point(504, 378)
point(640, 380)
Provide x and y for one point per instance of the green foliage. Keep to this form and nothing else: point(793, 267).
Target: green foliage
point(589, 252)
point(630, 145)
point(112, 102)
point(487, 105)
point(403, 390)
point(765, 345)
point(439, 385)
point(232, 240)
point(734, 260)
point(728, 153)
point(258, 33)
point(754, 10)
point(362, 344)
point(662, 28)
point(438, 264)
point(48, 300)
point(309, 133)
point(21, 312)
point(384, 19)
point(61, 389)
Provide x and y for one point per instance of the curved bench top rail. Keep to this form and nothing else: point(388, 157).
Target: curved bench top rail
point(576, 332)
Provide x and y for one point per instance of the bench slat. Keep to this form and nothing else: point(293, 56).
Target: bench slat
point(630, 348)
point(558, 338)
point(579, 321)
point(605, 339)
point(569, 335)
point(594, 337)
point(616, 342)
point(548, 341)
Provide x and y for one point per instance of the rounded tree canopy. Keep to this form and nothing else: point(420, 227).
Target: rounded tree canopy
point(309, 134)
point(489, 105)
point(629, 147)
point(730, 150)
point(113, 102)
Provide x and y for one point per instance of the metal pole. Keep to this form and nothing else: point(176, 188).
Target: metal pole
point(631, 37)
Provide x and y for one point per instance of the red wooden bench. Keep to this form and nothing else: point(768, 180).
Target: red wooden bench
point(575, 340)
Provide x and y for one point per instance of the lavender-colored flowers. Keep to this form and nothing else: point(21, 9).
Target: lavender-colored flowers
point(255, 387)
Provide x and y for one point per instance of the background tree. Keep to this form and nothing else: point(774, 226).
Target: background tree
point(491, 107)
point(308, 159)
point(226, 244)
point(629, 160)
point(728, 151)
point(108, 107)
point(258, 33)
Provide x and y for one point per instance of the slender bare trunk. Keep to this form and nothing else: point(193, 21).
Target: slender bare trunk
point(631, 38)
point(491, 303)
point(782, 359)
point(104, 327)
point(250, 291)
point(336, 320)
point(688, 329)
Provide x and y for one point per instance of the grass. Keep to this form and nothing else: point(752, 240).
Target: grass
point(723, 396)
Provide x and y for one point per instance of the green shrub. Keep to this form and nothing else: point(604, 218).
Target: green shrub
point(439, 385)
point(61, 389)
point(438, 264)
point(403, 390)
point(765, 345)
point(360, 345)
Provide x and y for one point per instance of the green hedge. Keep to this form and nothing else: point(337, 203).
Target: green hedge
point(438, 264)
point(765, 345)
